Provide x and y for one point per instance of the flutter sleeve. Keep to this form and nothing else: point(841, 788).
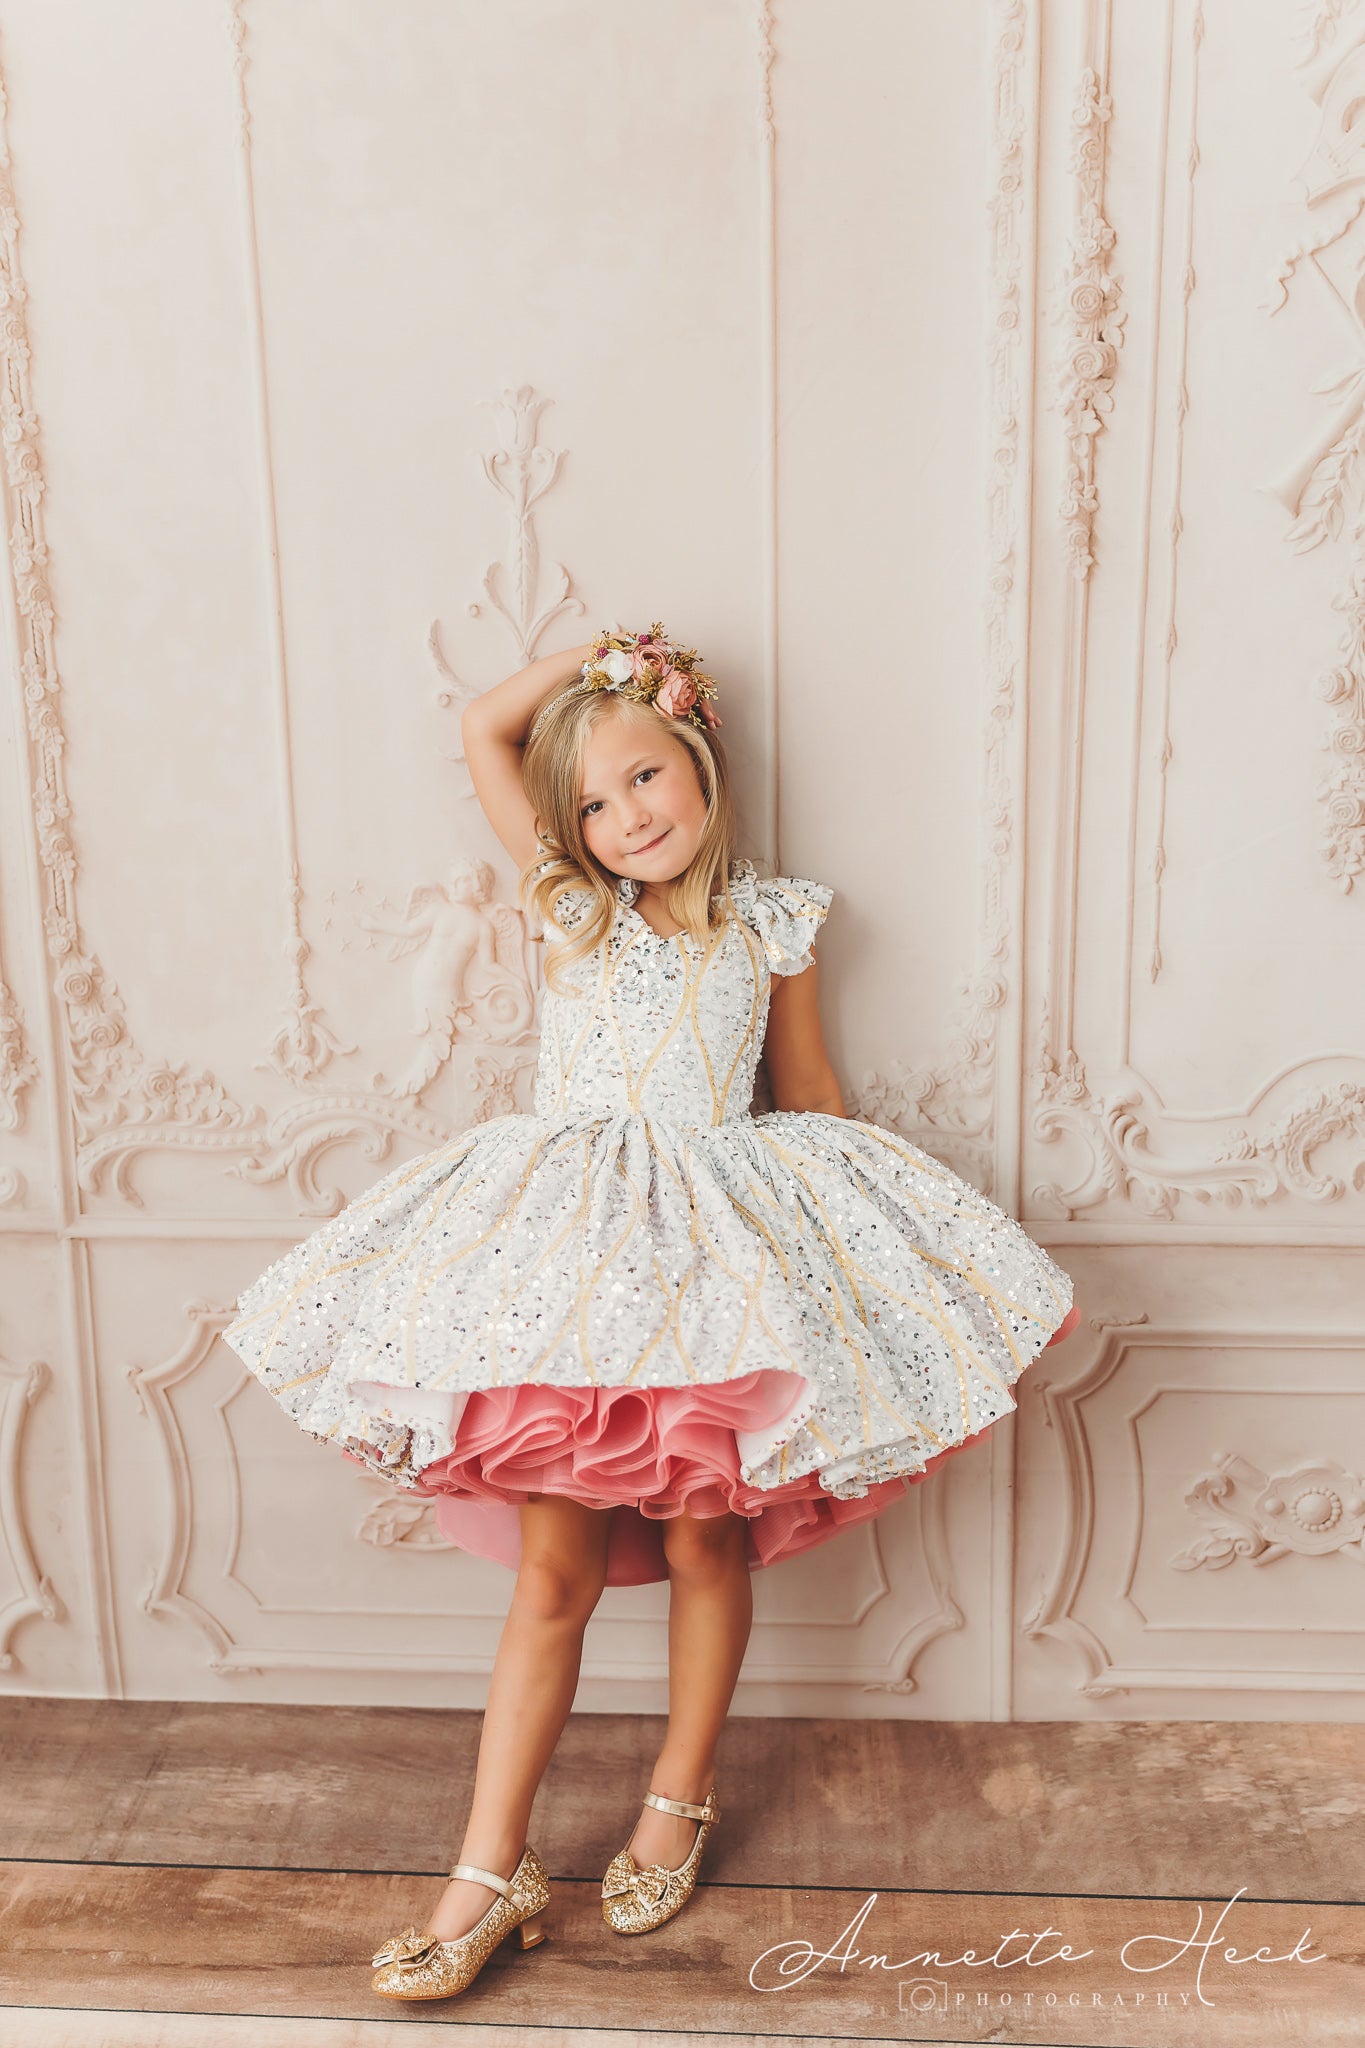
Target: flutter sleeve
point(786, 911)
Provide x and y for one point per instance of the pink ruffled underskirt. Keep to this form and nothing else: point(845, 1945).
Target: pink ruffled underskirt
point(647, 1453)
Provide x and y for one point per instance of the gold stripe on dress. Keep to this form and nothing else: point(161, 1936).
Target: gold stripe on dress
point(610, 963)
point(762, 981)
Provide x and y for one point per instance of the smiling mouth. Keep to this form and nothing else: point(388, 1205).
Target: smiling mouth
point(652, 843)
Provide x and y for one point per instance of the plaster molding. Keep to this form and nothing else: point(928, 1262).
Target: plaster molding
point(1324, 489)
point(475, 970)
point(940, 1614)
point(1124, 1137)
point(521, 469)
point(19, 1389)
point(497, 1084)
point(1320, 22)
point(111, 1083)
point(1175, 524)
point(123, 1103)
point(1090, 313)
point(924, 1104)
point(289, 1146)
point(305, 1044)
point(108, 1078)
point(405, 1521)
point(1316, 1510)
point(1342, 789)
point(763, 24)
point(952, 1103)
point(1054, 1615)
point(18, 1066)
point(166, 1593)
point(1134, 1150)
point(971, 1071)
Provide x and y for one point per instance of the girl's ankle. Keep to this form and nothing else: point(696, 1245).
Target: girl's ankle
point(499, 1858)
point(680, 1785)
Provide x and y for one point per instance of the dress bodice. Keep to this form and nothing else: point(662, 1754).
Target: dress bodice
point(671, 1028)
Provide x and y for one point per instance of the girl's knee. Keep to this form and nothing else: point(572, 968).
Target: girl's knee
point(709, 1546)
point(549, 1589)
point(563, 1565)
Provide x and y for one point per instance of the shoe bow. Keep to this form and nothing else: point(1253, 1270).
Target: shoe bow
point(649, 1885)
point(409, 1950)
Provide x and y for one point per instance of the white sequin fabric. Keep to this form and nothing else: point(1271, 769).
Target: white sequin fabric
point(641, 1228)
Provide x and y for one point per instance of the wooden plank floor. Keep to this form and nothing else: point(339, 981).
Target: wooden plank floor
point(191, 1875)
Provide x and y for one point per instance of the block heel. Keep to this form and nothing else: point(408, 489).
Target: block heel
point(533, 1931)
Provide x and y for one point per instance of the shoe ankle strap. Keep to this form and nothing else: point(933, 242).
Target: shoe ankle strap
point(499, 1884)
point(683, 1807)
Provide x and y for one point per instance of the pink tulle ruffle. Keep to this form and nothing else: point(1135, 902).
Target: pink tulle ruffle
point(649, 1453)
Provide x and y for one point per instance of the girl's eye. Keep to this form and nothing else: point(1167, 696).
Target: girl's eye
point(588, 809)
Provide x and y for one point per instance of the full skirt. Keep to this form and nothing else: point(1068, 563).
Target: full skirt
point(792, 1318)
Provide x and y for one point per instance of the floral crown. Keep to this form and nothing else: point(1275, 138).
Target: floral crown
point(648, 669)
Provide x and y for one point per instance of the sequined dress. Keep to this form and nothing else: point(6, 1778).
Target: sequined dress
point(645, 1297)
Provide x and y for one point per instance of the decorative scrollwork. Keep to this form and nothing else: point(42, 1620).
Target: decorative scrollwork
point(1316, 1510)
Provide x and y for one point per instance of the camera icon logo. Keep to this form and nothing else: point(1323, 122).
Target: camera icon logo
point(923, 1994)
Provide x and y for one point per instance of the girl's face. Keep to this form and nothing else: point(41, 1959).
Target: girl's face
point(641, 807)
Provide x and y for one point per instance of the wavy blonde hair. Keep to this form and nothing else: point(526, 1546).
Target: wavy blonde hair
point(552, 771)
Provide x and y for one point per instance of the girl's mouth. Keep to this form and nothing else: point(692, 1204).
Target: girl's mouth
point(652, 844)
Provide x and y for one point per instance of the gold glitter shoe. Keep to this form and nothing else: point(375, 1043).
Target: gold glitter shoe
point(415, 1965)
point(635, 1899)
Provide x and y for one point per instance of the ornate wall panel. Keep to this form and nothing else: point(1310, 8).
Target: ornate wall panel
point(1192, 1503)
point(1195, 1048)
point(54, 1625)
point(972, 385)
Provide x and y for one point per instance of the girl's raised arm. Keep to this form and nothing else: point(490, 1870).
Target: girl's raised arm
point(494, 729)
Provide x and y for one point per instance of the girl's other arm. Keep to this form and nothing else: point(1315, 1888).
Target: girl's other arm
point(494, 728)
point(794, 1049)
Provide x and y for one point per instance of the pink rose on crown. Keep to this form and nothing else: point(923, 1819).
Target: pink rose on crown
point(677, 693)
point(648, 654)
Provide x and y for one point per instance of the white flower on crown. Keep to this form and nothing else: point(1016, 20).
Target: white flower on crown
point(617, 665)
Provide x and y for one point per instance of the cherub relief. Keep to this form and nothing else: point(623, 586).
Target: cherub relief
point(474, 976)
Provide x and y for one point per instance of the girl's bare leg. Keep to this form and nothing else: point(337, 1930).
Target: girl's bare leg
point(710, 1611)
point(535, 1675)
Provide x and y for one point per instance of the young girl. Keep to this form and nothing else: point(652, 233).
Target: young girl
point(640, 1333)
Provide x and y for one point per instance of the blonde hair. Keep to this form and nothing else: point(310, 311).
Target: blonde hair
point(552, 771)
